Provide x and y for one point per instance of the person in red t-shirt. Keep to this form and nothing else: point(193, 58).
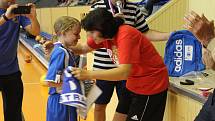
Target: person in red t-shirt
point(138, 62)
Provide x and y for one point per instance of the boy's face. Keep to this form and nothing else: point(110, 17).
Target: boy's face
point(72, 36)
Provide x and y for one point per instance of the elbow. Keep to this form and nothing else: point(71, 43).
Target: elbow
point(36, 33)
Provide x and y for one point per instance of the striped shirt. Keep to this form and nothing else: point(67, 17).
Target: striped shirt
point(132, 16)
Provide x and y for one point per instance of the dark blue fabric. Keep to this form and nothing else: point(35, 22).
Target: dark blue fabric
point(107, 88)
point(207, 112)
point(183, 54)
point(160, 2)
point(59, 112)
point(9, 36)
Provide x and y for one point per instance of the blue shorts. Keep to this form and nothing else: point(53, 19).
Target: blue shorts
point(107, 88)
point(59, 112)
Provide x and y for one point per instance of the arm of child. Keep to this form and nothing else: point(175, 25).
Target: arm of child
point(56, 64)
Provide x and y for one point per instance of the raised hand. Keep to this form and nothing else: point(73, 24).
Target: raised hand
point(32, 14)
point(9, 13)
point(201, 27)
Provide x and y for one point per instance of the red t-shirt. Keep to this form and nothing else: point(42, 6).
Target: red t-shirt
point(149, 74)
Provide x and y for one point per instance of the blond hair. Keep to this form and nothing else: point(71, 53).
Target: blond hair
point(63, 24)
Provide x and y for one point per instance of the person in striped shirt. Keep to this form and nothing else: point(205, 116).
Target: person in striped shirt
point(102, 61)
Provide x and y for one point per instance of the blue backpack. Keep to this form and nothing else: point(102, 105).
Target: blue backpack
point(183, 54)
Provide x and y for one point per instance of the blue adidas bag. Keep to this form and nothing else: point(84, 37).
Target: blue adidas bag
point(183, 54)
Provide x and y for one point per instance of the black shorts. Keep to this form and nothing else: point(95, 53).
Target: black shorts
point(142, 107)
point(207, 112)
point(107, 88)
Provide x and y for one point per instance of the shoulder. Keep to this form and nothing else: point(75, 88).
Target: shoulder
point(57, 51)
point(126, 29)
point(127, 33)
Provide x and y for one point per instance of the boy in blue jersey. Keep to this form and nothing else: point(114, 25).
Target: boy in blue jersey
point(11, 84)
point(67, 30)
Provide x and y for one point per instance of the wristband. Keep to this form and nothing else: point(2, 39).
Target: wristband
point(5, 17)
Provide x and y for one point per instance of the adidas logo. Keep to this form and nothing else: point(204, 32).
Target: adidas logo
point(134, 118)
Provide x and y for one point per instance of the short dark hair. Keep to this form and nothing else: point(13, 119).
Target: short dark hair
point(103, 21)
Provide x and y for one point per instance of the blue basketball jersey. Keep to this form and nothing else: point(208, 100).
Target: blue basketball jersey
point(59, 60)
point(57, 64)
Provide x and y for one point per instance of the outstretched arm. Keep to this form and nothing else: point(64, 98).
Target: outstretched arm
point(154, 35)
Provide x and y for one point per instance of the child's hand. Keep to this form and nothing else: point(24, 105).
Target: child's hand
point(48, 47)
